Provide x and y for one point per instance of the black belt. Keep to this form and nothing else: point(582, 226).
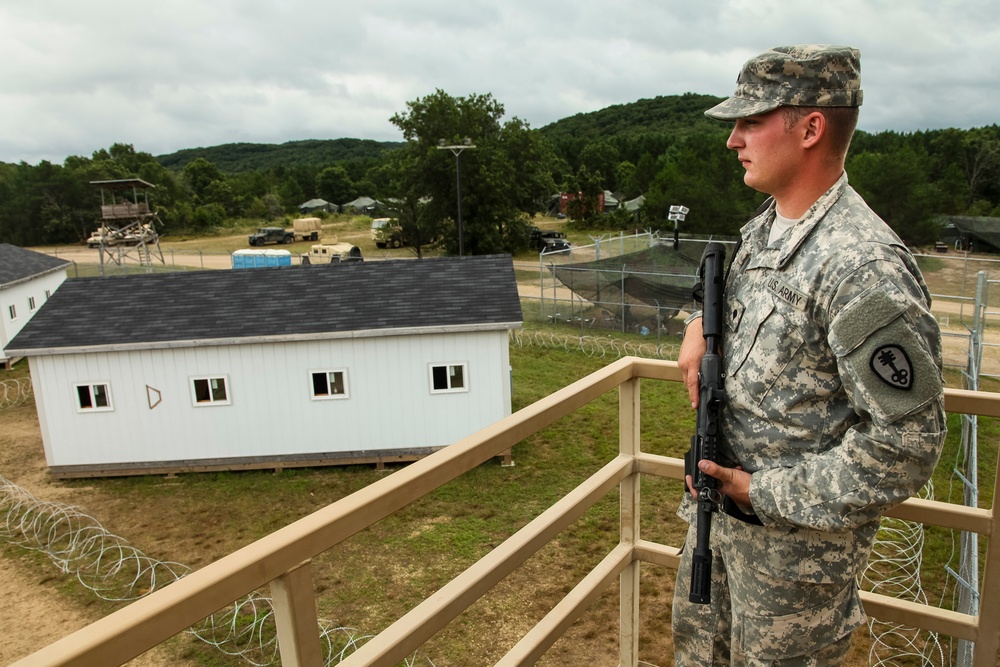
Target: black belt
point(732, 509)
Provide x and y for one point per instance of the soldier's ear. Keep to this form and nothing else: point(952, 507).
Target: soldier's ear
point(813, 128)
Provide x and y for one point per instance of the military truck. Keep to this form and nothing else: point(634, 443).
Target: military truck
point(265, 235)
point(104, 236)
point(306, 229)
point(387, 232)
point(548, 240)
point(332, 253)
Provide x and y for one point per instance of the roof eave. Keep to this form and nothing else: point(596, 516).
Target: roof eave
point(33, 276)
point(252, 340)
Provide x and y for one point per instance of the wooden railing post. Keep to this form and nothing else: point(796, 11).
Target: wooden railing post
point(987, 647)
point(295, 618)
point(628, 443)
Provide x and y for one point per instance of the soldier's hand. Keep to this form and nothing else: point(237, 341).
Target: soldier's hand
point(733, 482)
point(689, 358)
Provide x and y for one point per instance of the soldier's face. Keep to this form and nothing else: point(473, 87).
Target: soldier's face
point(768, 152)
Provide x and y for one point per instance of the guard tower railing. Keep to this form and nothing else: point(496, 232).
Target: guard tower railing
point(126, 210)
point(282, 559)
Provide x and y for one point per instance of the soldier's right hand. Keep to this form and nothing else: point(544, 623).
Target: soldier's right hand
point(689, 359)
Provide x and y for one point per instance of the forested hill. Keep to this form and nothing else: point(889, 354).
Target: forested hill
point(674, 114)
point(240, 158)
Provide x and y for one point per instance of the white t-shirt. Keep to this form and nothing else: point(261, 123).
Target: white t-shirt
point(780, 225)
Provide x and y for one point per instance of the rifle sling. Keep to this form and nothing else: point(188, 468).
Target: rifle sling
point(732, 509)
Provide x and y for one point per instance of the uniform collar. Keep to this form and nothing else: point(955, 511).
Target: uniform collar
point(756, 231)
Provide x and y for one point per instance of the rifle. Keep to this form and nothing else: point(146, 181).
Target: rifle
point(704, 443)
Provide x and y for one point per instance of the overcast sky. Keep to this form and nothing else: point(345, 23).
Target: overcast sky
point(77, 76)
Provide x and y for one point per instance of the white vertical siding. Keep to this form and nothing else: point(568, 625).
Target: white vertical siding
point(18, 296)
point(271, 411)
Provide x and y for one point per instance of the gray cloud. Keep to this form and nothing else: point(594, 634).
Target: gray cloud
point(180, 74)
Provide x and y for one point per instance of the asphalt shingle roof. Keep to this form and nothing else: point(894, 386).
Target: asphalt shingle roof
point(17, 264)
point(288, 301)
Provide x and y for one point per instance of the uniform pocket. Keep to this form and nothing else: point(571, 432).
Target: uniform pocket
point(768, 342)
point(766, 638)
point(784, 553)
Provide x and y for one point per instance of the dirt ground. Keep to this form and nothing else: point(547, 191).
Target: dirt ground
point(34, 612)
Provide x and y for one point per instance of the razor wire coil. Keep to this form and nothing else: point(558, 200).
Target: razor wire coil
point(15, 392)
point(114, 570)
point(593, 346)
point(894, 570)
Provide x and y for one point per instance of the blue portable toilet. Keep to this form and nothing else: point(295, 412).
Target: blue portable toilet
point(259, 259)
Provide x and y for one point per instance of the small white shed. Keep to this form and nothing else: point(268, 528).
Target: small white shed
point(296, 366)
point(27, 280)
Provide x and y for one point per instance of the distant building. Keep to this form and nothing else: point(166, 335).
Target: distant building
point(27, 280)
point(635, 204)
point(314, 205)
point(363, 205)
point(566, 197)
point(292, 366)
point(972, 233)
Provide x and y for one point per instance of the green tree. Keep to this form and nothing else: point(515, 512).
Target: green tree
point(703, 175)
point(896, 185)
point(200, 174)
point(334, 185)
point(625, 177)
point(504, 178)
point(291, 193)
point(585, 190)
point(600, 157)
point(420, 226)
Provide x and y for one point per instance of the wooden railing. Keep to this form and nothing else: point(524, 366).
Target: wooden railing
point(282, 558)
point(126, 210)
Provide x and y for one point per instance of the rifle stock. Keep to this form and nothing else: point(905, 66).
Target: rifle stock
point(704, 443)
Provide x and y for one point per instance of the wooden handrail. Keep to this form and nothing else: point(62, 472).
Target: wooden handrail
point(281, 557)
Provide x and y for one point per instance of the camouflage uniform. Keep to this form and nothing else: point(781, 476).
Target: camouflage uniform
point(835, 406)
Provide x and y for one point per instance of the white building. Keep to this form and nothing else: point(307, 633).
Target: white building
point(27, 280)
point(291, 366)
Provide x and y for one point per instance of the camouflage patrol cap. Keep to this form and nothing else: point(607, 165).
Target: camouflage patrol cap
point(808, 75)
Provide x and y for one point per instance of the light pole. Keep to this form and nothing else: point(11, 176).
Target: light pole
point(457, 150)
point(677, 214)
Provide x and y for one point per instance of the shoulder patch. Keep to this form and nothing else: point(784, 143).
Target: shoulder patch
point(891, 364)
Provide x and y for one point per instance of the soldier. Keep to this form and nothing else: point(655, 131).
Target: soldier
point(834, 403)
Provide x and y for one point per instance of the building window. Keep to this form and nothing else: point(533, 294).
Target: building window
point(12, 309)
point(93, 398)
point(329, 384)
point(449, 378)
point(31, 303)
point(210, 391)
point(48, 293)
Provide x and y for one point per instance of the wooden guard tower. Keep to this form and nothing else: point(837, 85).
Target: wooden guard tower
point(127, 225)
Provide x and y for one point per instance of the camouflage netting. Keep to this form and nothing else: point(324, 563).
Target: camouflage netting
point(642, 289)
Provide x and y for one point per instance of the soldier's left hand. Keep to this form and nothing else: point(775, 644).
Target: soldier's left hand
point(733, 482)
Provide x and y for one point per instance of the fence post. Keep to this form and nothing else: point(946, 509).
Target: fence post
point(628, 444)
point(295, 618)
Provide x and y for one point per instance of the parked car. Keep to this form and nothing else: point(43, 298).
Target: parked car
point(548, 240)
point(104, 236)
point(332, 253)
point(271, 235)
point(387, 232)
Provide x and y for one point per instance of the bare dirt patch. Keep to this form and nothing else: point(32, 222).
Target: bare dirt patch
point(35, 612)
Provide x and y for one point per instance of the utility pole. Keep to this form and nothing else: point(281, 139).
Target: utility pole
point(457, 150)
